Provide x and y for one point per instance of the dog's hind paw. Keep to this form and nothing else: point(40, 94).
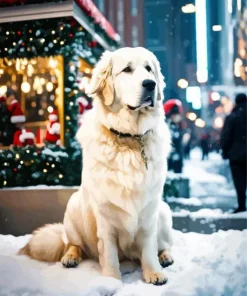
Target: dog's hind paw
point(70, 260)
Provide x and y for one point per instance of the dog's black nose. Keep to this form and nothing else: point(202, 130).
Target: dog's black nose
point(149, 84)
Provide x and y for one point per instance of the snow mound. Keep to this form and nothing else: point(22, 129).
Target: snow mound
point(204, 265)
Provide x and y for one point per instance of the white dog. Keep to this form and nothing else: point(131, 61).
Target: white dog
point(118, 212)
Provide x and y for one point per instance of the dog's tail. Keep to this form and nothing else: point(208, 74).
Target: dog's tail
point(46, 244)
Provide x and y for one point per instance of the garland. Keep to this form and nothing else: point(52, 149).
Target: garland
point(32, 166)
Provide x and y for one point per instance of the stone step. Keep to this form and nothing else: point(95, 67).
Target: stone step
point(195, 204)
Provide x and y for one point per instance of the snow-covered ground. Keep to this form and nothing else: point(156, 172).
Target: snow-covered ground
point(205, 265)
point(205, 179)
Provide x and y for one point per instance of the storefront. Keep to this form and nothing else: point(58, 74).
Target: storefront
point(47, 61)
point(47, 54)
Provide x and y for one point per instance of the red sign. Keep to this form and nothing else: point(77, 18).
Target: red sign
point(89, 7)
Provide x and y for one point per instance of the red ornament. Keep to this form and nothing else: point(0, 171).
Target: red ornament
point(15, 170)
point(72, 23)
point(92, 44)
point(70, 35)
point(23, 44)
point(19, 33)
point(38, 152)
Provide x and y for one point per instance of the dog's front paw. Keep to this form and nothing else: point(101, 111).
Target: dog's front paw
point(156, 278)
point(70, 260)
point(165, 259)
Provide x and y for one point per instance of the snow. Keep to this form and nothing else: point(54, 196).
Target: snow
point(193, 201)
point(42, 187)
point(204, 265)
point(204, 177)
point(48, 151)
point(209, 213)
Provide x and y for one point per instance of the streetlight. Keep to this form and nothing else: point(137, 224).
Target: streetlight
point(188, 8)
point(200, 123)
point(183, 83)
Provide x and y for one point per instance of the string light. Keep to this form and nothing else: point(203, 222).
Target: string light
point(49, 86)
point(53, 32)
point(14, 43)
point(62, 42)
point(7, 33)
point(5, 164)
point(28, 151)
point(53, 165)
point(17, 156)
point(54, 41)
point(50, 109)
point(25, 87)
point(21, 162)
point(4, 183)
point(60, 176)
point(200, 123)
point(45, 170)
point(191, 116)
point(71, 103)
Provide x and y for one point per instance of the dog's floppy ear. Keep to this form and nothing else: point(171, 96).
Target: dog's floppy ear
point(101, 83)
point(160, 78)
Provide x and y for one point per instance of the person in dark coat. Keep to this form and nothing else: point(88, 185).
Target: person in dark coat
point(233, 145)
point(205, 144)
point(174, 110)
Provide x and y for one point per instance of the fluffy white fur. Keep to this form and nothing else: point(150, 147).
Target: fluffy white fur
point(118, 212)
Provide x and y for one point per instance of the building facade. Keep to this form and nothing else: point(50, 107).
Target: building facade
point(127, 18)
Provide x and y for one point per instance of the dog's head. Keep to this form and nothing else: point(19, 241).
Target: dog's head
point(128, 78)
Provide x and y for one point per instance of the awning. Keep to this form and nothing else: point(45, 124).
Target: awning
point(84, 11)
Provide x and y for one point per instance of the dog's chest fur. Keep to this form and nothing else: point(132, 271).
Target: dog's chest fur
point(117, 167)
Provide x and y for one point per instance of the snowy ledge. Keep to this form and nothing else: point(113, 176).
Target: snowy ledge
point(209, 214)
point(42, 187)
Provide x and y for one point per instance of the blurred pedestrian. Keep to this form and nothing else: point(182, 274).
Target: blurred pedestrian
point(205, 144)
point(233, 145)
point(187, 144)
point(174, 114)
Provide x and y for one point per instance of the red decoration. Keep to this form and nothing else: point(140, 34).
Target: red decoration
point(73, 23)
point(19, 33)
point(38, 151)
point(11, 2)
point(15, 170)
point(53, 129)
point(70, 35)
point(23, 44)
point(91, 10)
point(23, 138)
point(92, 44)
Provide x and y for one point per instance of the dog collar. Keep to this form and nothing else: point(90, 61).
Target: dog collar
point(140, 138)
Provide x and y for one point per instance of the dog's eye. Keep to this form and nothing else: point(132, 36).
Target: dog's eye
point(127, 69)
point(148, 68)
